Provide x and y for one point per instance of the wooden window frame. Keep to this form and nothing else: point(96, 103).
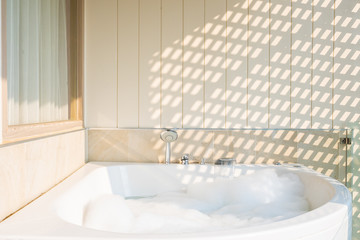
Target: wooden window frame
point(13, 133)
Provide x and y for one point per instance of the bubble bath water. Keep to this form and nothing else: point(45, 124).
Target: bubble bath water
point(262, 197)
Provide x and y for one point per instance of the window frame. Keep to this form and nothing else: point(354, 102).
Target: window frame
point(13, 133)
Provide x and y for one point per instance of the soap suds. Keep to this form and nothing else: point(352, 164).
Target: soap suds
point(259, 198)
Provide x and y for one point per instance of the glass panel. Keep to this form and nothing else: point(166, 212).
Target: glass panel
point(319, 150)
point(353, 154)
point(38, 60)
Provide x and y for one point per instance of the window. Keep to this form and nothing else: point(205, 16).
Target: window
point(41, 67)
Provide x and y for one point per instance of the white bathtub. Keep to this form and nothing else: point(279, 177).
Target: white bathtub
point(58, 214)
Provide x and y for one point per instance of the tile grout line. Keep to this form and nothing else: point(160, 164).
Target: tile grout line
point(182, 62)
point(269, 65)
point(333, 69)
point(247, 64)
point(117, 64)
point(204, 65)
point(226, 56)
point(312, 64)
point(291, 58)
point(161, 62)
point(138, 80)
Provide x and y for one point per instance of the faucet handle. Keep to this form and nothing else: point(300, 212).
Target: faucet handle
point(185, 159)
point(225, 161)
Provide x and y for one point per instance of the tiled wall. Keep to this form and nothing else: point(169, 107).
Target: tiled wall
point(31, 168)
point(222, 63)
point(317, 149)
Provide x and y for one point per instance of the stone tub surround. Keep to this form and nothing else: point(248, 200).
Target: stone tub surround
point(246, 146)
point(30, 168)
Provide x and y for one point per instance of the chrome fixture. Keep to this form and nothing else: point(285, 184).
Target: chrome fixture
point(185, 159)
point(168, 136)
point(345, 141)
point(225, 161)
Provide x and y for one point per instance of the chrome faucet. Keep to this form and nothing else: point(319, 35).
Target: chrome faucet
point(168, 136)
point(185, 159)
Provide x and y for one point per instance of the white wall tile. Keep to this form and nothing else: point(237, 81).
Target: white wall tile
point(322, 63)
point(236, 61)
point(346, 65)
point(215, 64)
point(300, 64)
point(222, 64)
point(193, 64)
point(128, 63)
point(258, 64)
point(101, 63)
point(171, 61)
point(150, 63)
point(280, 55)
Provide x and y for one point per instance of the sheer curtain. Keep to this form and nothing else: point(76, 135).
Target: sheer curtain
point(37, 61)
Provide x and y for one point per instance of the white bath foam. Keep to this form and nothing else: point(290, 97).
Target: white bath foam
point(167, 218)
point(262, 197)
point(108, 212)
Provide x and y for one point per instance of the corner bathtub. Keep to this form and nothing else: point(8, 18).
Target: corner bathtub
point(58, 214)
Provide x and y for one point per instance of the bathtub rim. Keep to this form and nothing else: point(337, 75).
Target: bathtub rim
point(334, 209)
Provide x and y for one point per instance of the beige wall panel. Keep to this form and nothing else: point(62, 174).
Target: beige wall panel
point(258, 64)
point(29, 169)
point(101, 63)
point(128, 56)
point(215, 64)
point(322, 80)
point(150, 63)
point(280, 41)
point(171, 60)
point(300, 64)
point(193, 64)
point(346, 64)
point(236, 89)
point(123, 145)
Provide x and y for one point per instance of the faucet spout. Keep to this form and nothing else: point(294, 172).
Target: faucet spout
point(168, 136)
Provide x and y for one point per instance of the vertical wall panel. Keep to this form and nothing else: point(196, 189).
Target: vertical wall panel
point(258, 64)
point(323, 14)
point(128, 54)
point(101, 63)
point(280, 40)
point(346, 66)
point(216, 63)
point(193, 64)
point(171, 63)
point(236, 89)
point(215, 45)
point(150, 63)
point(300, 64)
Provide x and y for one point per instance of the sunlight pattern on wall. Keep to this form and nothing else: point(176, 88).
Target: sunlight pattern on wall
point(229, 64)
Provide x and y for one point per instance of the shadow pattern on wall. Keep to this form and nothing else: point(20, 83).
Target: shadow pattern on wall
point(234, 64)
